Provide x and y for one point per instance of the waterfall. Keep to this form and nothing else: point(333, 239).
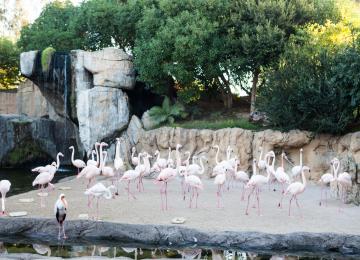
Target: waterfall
point(65, 98)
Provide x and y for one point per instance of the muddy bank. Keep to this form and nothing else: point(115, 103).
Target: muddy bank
point(45, 231)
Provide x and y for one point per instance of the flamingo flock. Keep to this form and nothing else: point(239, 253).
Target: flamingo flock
point(190, 172)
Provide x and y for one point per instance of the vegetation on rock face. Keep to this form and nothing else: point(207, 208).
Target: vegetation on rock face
point(9, 64)
point(46, 56)
point(167, 112)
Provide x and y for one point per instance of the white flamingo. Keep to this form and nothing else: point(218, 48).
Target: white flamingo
point(344, 181)
point(118, 163)
point(144, 170)
point(194, 183)
point(220, 180)
point(243, 178)
point(170, 161)
point(261, 163)
point(60, 210)
point(195, 169)
point(50, 167)
point(97, 191)
point(4, 188)
point(134, 160)
point(282, 177)
point(79, 164)
point(129, 176)
point(326, 179)
point(296, 188)
point(255, 183)
point(107, 171)
point(160, 163)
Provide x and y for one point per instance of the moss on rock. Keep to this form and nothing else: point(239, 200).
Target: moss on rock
point(46, 56)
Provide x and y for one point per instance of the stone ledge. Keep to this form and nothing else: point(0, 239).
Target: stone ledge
point(44, 230)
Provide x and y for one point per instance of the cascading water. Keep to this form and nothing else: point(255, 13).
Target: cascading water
point(65, 97)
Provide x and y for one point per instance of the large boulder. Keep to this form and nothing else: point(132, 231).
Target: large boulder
point(110, 67)
point(147, 122)
point(27, 63)
point(27, 139)
point(102, 113)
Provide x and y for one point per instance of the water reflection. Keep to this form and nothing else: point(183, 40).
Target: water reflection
point(106, 252)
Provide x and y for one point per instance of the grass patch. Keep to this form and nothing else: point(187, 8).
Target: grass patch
point(215, 124)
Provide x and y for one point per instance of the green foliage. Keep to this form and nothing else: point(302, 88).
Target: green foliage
point(46, 56)
point(218, 124)
point(167, 112)
point(9, 64)
point(314, 89)
point(52, 28)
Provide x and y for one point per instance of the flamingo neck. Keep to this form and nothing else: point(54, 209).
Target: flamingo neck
point(72, 154)
point(228, 153)
point(261, 153)
point(147, 162)
point(169, 155)
point(301, 159)
point(158, 156)
point(202, 165)
point(97, 155)
point(188, 158)
point(254, 168)
point(104, 162)
point(108, 194)
point(282, 161)
point(58, 161)
point(217, 155)
point(92, 156)
point(178, 159)
point(303, 178)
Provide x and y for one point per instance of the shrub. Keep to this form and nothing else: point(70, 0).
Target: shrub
point(46, 56)
point(167, 112)
point(314, 90)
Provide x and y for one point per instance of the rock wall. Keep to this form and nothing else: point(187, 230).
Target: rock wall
point(8, 102)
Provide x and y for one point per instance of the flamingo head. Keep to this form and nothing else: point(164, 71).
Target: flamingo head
point(103, 144)
point(60, 154)
point(301, 150)
point(133, 149)
point(260, 149)
point(97, 144)
point(53, 164)
point(62, 198)
point(71, 148)
point(178, 146)
point(118, 139)
point(215, 147)
point(156, 152)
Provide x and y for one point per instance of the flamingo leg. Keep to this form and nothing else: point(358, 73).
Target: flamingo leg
point(162, 195)
point(197, 196)
point(243, 192)
point(42, 204)
point(97, 209)
point(59, 231)
point(166, 203)
point(248, 201)
point(183, 189)
point(297, 204)
point(258, 200)
point(190, 199)
point(290, 205)
point(63, 229)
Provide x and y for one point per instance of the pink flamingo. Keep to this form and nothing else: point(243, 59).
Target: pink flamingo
point(296, 170)
point(296, 188)
point(144, 169)
point(92, 161)
point(134, 160)
point(130, 175)
point(118, 164)
point(107, 171)
point(4, 188)
point(241, 177)
point(326, 179)
point(344, 181)
point(220, 180)
point(195, 184)
point(163, 178)
point(255, 183)
point(261, 163)
point(282, 177)
point(79, 164)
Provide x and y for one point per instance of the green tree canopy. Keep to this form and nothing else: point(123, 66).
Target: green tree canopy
point(9, 64)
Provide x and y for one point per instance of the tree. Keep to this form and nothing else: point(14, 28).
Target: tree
point(52, 28)
point(9, 64)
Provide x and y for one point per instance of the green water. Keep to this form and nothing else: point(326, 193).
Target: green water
point(21, 178)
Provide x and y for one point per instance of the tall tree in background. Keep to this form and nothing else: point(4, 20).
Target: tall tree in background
point(9, 64)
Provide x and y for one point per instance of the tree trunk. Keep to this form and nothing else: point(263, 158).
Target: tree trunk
point(256, 73)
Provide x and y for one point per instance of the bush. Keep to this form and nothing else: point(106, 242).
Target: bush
point(46, 56)
point(314, 90)
point(9, 64)
point(167, 112)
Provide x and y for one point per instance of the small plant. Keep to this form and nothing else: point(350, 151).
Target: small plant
point(46, 56)
point(167, 112)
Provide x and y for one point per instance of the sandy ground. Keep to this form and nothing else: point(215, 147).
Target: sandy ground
point(146, 209)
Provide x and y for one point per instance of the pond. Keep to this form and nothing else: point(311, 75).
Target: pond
point(21, 178)
point(17, 251)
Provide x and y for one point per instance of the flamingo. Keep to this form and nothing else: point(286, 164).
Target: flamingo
point(326, 179)
point(160, 163)
point(60, 210)
point(163, 178)
point(220, 181)
point(97, 191)
point(194, 183)
point(145, 170)
point(195, 169)
point(106, 170)
point(242, 177)
point(118, 163)
point(296, 170)
point(187, 160)
point(92, 161)
point(282, 177)
point(296, 188)
point(170, 161)
point(4, 188)
point(79, 164)
point(177, 155)
point(344, 180)
point(130, 175)
point(261, 162)
point(134, 160)
point(50, 167)
point(255, 183)
point(220, 166)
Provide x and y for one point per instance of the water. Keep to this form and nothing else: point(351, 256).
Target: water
point(144, 252)
point(21, 179)
point(65, 96)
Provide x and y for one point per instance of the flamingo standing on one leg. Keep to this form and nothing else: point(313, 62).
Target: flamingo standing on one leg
point(4, 188)
point(255, 183)
point(130, 175)
point(296, 188)
point(97, 191)
point(194, 183)
point(60, 210)
point(79, 164)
